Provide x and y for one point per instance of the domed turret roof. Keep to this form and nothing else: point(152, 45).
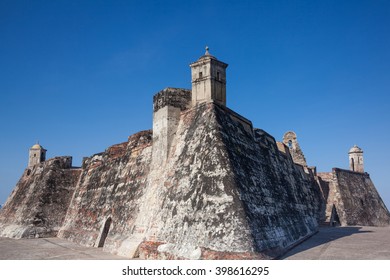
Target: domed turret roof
point(355, 149)
point(207, 55)
point(37, 146)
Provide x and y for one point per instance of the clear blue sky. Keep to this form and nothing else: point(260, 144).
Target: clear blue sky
point(79, 76)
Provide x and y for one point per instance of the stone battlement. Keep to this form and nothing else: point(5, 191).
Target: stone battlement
point(62, 162)
point(175, 97)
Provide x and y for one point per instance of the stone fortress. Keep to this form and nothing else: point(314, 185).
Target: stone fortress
point(203, 184)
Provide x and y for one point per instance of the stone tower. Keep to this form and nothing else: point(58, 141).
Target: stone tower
point(356, 159)
point(37, 154)
point(208, 76)
point(167, 106)
point(290, 140)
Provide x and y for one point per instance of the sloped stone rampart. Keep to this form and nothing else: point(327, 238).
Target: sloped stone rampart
point(355, 198)
point(200, 205)
point(38, 204)
point(222, 190)
point(110, 187)
point(280, 200)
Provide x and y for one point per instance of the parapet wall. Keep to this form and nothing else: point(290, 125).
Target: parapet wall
point(175, 97)
point(238, 119)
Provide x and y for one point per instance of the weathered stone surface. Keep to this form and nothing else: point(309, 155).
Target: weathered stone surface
point(200, 206)
point(352, 199)
point(175, 97)
point(149, 250)
point(280, 200)
point(38, 204)
point(221, 190)
point(110, 187)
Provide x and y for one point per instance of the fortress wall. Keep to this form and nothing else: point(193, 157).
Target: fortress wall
point(281, 201)
point(331, 195)
point(359, 202)
point(240, 120)
point(108, 194)
point(264, 138)
point(200, 209)
point(38, 204)
point(226, 193)
point(117, 151)
point(283, 149)
point(324, 181)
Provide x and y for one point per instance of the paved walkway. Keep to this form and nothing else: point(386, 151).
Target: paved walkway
point(340, 243)
point(49, 249)
point(345, 243)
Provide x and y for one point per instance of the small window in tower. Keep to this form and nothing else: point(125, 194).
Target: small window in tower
point(290, 144)
point(218, 76)
point(200, 75)
point(35, 155)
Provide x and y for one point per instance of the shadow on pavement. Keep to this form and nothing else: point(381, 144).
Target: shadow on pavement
point(324, 236)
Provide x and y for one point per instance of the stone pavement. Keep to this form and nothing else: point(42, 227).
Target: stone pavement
point(49, 249)
point(344, 243)
point(340, 243)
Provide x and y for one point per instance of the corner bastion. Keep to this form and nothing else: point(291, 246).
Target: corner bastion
point(38, 204)
point(352, 199)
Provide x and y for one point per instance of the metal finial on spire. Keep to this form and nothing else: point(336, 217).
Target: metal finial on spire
point(207, 51)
